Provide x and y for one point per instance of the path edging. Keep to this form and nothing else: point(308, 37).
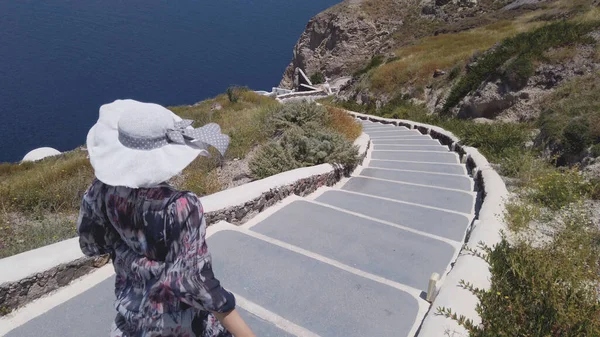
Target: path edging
point(30, 275)
point(486, 229)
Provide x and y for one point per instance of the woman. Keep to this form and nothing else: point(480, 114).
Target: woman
point(154, 234)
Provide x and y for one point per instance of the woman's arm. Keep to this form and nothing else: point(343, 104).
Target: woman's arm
point(234, 323)
point(95, 237)
point(188, 274)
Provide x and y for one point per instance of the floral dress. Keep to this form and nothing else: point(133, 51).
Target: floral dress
point(164, 280)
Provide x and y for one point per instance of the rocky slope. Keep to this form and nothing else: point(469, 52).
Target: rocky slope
point(339, 40)
point(342, 39)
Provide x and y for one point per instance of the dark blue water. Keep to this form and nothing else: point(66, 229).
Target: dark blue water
point(61, 59)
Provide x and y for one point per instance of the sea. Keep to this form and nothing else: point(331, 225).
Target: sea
point(60, 60)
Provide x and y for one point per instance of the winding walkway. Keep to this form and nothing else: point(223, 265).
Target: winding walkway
point(349, 261)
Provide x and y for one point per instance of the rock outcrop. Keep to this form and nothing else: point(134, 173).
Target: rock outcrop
point(500, 99)
point(340, 40)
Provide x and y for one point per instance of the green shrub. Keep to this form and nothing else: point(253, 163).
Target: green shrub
point(496, 141)
point(297, 114)
point(542, 291)
point(234, 93)
point(518, 72)
point(455, 71)
point(527, 47)
point(524, 165)
point(594, 188)
point(595, 150)
point(575, 137)
point(353, 106)
point(317, 78)
point(312, 146)
point(570, 120)
point(272, 159)
point(301, 147)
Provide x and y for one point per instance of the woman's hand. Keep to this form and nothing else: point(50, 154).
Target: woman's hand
point(233, 322)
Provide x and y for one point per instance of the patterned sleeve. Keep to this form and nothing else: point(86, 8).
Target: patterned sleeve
point(94, 239)
point(188, 274)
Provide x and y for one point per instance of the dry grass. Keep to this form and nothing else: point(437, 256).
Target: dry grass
point(55, 184)
point(417, 63)
point(574, 102)
point(386, 9)
point(243, 121)
point(20, 233)
point(560, 55)
point(201, 178)
point(39, 202)
point(343, 123)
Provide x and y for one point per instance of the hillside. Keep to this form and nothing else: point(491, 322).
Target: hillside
point(484, 61)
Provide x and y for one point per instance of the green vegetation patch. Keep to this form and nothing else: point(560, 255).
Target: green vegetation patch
point(317, 78)
point(307, 134)
point(547, 290)
point(570, 120)
point(514, 57)
point(545, 277)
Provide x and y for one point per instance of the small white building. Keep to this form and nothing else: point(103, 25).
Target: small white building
point(40, 153)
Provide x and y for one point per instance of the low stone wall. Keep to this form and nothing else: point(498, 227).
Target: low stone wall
point(239, 214)
point(486, 229)
point(15, 294)
point(54, 266)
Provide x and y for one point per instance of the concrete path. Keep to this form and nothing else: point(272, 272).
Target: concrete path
point(348, 261)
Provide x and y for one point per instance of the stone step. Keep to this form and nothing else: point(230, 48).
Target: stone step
point(375, 139)
point(432, 179)
point(420, 156)
point(418, 166)
point(89, 314)
point(92, 313)
point(383, 127)
point(394, 253)
point(324, 299)
point(261, 327)
point(405, 147)
point(382, 133)
point(437, 222)
point(404, 141)
point(453, 200)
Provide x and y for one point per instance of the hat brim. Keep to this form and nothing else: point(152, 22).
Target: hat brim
point(117, 165)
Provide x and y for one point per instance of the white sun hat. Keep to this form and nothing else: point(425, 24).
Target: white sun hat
point(137, 144)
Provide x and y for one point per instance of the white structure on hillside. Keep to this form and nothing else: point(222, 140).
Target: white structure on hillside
point(303, 89)
point(40, 153)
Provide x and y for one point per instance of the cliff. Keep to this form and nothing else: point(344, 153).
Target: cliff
point(339, 40)
point(342, 39)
